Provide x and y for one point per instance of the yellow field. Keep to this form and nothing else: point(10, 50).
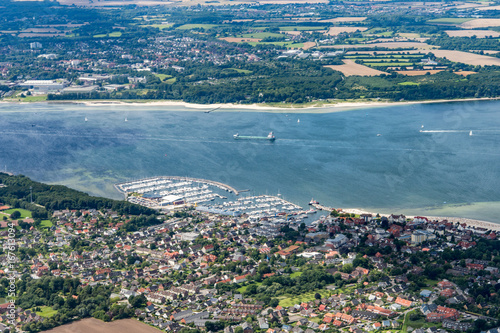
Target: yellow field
point(480, 23)
point(470, 33)
point(423, 72)
point(240, 40)
point(467, 58)
point(345, 19)
point(391, 45)
point(334, 31)
point(96, 326)
point(350, 68)
point(308, 45)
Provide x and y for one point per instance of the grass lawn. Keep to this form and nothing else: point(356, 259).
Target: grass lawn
point(261, 35)
point(387, 60)
point(431, 283)
point(113, 34)
point(24, 213)
point(159, 26)
point(196, 26)
point(301, 28)
point(409, 83)
point(170, 81)
point(294, 274)
point(379, 64)
point(292, 300)
point(285, 44)
point(38, 98)
point(245, 71)
point(451, 20)
point(46, 224)
point(241, 290)
point(46, 312)
point(163, 76)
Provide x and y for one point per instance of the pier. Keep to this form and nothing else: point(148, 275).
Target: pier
point(321, 207)
point(148, 182)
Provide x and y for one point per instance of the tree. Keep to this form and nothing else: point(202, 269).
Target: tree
point(138, 301)
point(317, 296)
point(15, 215)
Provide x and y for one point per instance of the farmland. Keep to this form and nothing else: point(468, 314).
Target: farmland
point(351, 68)
point(97, 326)
point(480, 23)
point(470, 33)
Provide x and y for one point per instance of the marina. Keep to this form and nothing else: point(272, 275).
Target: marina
point(172, 192)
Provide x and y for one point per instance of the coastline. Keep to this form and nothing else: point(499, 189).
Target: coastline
point(327, 107)
point(469, 222)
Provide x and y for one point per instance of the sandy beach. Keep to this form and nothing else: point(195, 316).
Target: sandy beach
point(319, 107)
point(470, 222)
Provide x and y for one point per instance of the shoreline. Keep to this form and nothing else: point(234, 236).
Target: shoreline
point(318, 108)
point(470, 222)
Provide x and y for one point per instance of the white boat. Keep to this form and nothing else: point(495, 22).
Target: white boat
point(86, 119)
point(298, 121)
point(470, 133)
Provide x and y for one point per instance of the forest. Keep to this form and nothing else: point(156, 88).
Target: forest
point(16, 192)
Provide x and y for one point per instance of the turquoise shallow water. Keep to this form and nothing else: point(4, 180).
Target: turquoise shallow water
point(337, 158)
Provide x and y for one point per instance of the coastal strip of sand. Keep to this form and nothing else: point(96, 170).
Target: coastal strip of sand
point(469, 222)
point(320, 107)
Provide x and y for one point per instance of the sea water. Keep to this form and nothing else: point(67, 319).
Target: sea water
point(413, 158)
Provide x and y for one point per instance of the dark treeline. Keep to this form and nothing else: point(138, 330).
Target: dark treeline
point(54, 197)
point(314, 85)
point(466, 43)
point(69, 298)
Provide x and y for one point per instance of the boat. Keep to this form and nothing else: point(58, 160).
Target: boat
point(313, 202)
point(86, 119)
point(298, 121)
point(269, 137)
point(126, 119)
point(470, 133)
point(311, 211)
point(379, 134)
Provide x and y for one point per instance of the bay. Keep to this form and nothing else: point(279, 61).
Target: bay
point(377, 158)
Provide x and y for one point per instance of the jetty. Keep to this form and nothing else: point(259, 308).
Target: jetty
point(321, 207)
point(156, 183)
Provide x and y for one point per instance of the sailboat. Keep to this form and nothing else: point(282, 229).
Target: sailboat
point(86, 119)
point(126, 119)
point(470, 133)
point(298, 121)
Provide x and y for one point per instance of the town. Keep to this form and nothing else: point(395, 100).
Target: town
point(250, 53)
point(187, 270)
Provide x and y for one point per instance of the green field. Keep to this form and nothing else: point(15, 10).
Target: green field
point(385, 64)
point(159, 26)
point(285, 44)
point(295, 274)
point(301, 28)
point(46, 312)
point(46, 224)
point(196, 26)
point(409, 83)
point(170, 81)
point(112, 34)
point(245, 71)
point(24, 213)
point(241, 290)
point(287, 301)
point(450, 20)
point(386, 60)
point(261, 35)
point(38, 98)
point(163, 76)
